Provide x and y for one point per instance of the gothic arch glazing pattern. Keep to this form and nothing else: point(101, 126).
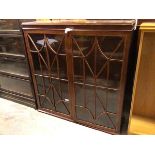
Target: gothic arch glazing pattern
point(50, 70)
point(97, 72)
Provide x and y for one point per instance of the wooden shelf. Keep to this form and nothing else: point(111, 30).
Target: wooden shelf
point(18, 76)
point(12, 55)
point(18, 32)
point(140, 125)
point(17, 94)
point(15, 86)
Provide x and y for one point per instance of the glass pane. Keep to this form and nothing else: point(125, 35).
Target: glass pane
point(40, 63)
point(9, 24)
point(17, 67)
point(55, 43)
point(112, 97)
point(49, 57)
point(36, 42)
point(53, 94)
point(11, 44)
point(78, 70)
point(111, 46)
point(101, 71)
point(107, 121)
point(115, 69)
point(83, 114)
point(92, 105)
point(15, 85)
point(62, 72)
point(93, 65)
point(97, 73)
point(82, 45)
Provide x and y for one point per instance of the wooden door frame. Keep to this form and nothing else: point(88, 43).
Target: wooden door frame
point(127, 40)
point(70, 70)
point(52, 32)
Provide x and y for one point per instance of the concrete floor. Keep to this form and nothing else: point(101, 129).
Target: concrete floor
point(17, 119)
point(45, 134)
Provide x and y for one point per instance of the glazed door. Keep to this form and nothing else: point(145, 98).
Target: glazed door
point(47, 57)
point(80, 75)
point(98, 59)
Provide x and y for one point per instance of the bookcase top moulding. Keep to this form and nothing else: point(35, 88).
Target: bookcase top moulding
point(83, 21)
point(126, 24)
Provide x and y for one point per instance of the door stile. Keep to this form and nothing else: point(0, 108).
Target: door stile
point(31, 68)
point(127, 43)
point(70, 72)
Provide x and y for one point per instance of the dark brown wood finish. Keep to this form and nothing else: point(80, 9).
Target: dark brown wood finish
point(15, 81)
point(29, 38)
point(124, 75)
point(70, 72)
point(31, 70)
point(113, 36)
point(123, 72)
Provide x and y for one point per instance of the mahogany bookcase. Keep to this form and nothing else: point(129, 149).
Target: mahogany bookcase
point(79, 69)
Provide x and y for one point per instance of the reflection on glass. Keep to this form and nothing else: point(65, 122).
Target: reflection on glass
point(48, 52)
point(11, 45)
point(55, 43)
point(97, 73)
point(15, 85)
point(111, 46)
point(107, 121)
point(115, 69)
point(9, 24)
point(53, 94)
point(14, 67)
point(92, 105)
point(81, 45)
point(94, 65)
point(112, 97)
